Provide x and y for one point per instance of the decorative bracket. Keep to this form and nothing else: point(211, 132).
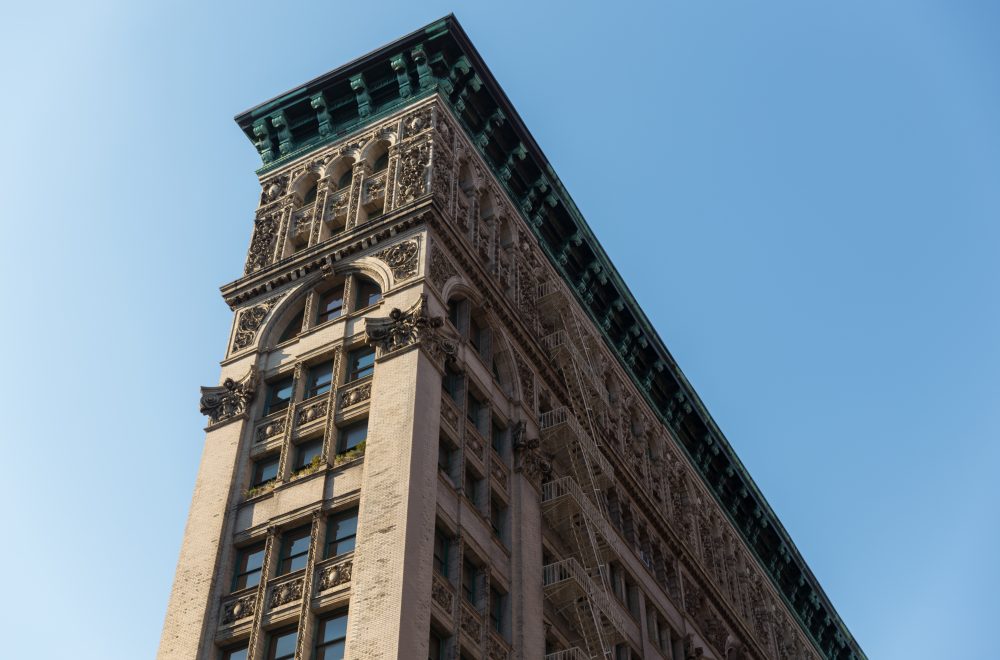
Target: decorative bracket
point(229, 400)
point(415, 326)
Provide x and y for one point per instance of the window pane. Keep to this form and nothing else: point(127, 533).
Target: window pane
point(331, 305)
point(235, 654)
point(369, 293)
point(294, 550)
point(279, 394)
point(307, 451)
point(344, 180)
point(340, 533)
point(283, 646)
point(265, 470)
point(334, 628)
point(352, 436)
point(361, 363)
point(332, 651)
point(319, 379)
point(293, 328)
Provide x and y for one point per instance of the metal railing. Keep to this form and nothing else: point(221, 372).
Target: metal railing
point(551, 420)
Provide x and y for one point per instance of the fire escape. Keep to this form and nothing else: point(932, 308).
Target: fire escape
point(572, 503)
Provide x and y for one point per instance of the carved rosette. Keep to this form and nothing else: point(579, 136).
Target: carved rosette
point(401, 258)
point(250, 321)
point(229, 399)
point(239, 608)
point(286, 592)
point(415, 326)
point(336, 575)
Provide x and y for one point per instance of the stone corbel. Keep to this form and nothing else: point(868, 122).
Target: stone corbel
point(229, 400)
point(402, 330)
point(528, 457)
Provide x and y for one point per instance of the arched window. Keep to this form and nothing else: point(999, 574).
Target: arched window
point(331, 304)
point(294, 327)
point(310, 195)
point(345, 179)
point(382, 162)
point(367, 293)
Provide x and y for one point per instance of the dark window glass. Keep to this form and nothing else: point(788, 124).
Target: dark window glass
point(341, 528)
point(265, 470)
point(472, 483)
point(475, 411)
point(381, 163)
point(319, 379)
point(294, 550)
point(234, 654)
point(498, 438)
point(497, 610)
point(452, 383)
point(360, 363)
point(497, 513)
point(368, 294)
point(282, 646)
point(470, 581)
point(446, 452)
point(435, 648)
point(345, 180)
point(310, 196)
point(331, 305)
point(442, 546)
point(330, 637)
point(293, 328)
point(454, 312)
point(307, 452)
point(352, 436)
point(279, 393)
point(249, 561)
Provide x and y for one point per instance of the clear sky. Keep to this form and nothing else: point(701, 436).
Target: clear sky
point(803, 197)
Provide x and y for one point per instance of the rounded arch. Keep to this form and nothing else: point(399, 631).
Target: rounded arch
point(338, 169)
point(287, 309)
point(369, 267)
point(377, 150)
point(304, 188)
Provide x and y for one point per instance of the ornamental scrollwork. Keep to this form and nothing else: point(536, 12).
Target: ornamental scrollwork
point(441, 269)
point(401, 258)
point(402, 329)
point(265, 231)
point(240, 608)
point(335, 575)
point(413, 166)
point(250, 321)
point(528, 458)
point(229, 399)
point(286, 593)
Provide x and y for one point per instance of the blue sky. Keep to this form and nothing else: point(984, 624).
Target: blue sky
point(803, 197)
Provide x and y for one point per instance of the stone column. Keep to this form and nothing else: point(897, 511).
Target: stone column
point(391, 582)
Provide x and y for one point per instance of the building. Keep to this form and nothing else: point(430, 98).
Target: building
point(445, 429)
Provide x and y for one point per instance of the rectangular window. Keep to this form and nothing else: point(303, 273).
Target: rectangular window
point(474, 411)
point(294, 550)
point(282, 645)
point(235, 654)
point(249, 562)
point(319, 379)
point(436, 646)
point(498, 438)
point(473, 486)
point(470, 581)
point(368, 294)
point(446, 455)
point(498, 604)
point(498, 515)
point(351, 436)
point(360, 363)
point(279, 393)
point(265, 470)
point(341, 528)
point(331, 636)
point(452, 384)
point(307, 452)
point(442, 548)
point(331, 305)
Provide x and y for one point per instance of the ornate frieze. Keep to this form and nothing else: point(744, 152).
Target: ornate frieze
point(401, 258)
point(312, 412)
point(441, 268)
point(402, 329)
point(230, 399)
point(471, 623)
point(239, 608)
point(442, 594)
point(355, 395)
point(336, 575)
point(413, 164)
point(285, 592)
point(270, 429)
point(250, 321)
point(265, 232)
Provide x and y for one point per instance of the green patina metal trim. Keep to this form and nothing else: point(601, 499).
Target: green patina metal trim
point(440, 59)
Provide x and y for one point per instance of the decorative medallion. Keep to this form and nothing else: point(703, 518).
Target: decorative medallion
point(401, 258)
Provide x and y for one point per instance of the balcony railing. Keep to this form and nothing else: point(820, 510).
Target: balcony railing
point(568, 654)
point(569, 573)
point(568, 488)
point(553, 422)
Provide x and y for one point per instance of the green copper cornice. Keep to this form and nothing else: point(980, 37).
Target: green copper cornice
point(440, 59)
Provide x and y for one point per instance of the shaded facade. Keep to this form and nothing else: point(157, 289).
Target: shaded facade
point(445, 429)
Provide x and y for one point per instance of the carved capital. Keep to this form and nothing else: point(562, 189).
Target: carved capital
point(230, 399)
point(415, 326)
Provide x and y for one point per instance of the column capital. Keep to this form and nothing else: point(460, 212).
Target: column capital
point(414, 327)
